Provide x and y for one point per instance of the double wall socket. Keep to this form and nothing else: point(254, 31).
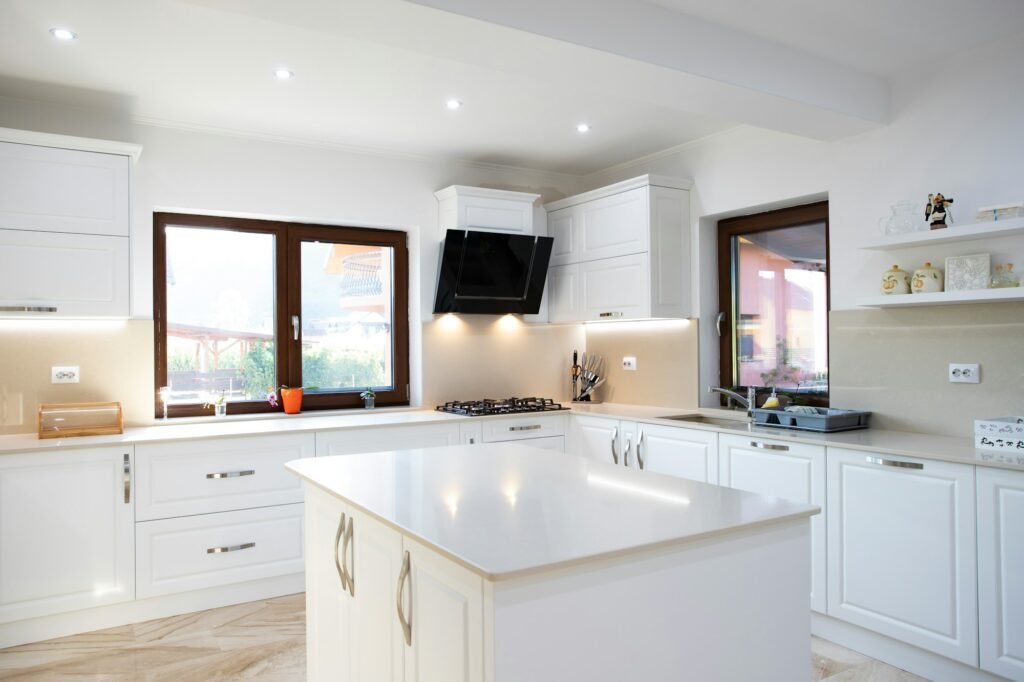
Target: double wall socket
point(964, 373)
point(64, 375)
point(629, 363)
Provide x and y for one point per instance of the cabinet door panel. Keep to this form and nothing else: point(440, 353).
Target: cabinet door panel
point(328, 605)
point(596, 437)
point(564, 295)
point(615, 226)
point(447, 619)
point(75, 275)
point(377, 645)
point(901, 550)
point(63, 190)
point(615, 288)
point(1000, 569)
point(562, 226)
point(685, 453)
point(353, 441)
point(794, 472)
point(66, 532)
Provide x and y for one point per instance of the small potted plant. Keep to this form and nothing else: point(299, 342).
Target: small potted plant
point(291, 398)
point(219, 404)
point(369, 397)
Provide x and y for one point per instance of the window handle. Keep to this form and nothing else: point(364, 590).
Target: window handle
point(718, 322)
point(295, 327)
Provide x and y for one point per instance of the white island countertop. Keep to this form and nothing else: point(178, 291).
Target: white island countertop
point(504, 510)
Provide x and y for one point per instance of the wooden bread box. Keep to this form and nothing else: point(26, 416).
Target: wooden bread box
point(70, 420)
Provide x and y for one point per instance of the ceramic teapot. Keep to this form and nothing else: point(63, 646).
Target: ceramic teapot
point(895, 281)
point(926, 280)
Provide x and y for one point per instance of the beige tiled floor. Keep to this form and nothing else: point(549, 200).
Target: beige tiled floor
point(265, 641)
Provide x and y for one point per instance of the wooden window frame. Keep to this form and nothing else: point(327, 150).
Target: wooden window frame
point(288, 301)
point(749, 224)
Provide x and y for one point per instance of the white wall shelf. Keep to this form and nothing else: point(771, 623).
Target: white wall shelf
point(943, 298)
point(949, 235)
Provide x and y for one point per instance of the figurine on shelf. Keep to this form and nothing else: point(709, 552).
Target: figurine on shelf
point(937, 211)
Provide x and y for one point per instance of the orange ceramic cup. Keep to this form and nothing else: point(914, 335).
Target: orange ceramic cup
point(291, 400)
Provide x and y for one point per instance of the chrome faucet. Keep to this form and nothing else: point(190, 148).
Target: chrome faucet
point(750, 402)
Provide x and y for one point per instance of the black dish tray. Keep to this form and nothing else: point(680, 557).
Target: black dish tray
point(826, 419)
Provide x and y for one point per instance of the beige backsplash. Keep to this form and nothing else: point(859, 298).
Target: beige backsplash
point(894, 363)
point(666, 352)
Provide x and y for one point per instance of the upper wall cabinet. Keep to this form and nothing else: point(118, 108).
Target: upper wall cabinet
point(480, 208)
point(65, 225)
point(621, 252)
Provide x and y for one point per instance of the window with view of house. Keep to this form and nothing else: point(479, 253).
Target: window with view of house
point(245, 306)
point(774, 297)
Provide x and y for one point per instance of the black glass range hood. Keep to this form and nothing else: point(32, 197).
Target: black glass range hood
point(492, 272)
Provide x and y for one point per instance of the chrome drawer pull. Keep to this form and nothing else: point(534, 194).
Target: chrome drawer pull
point(231, 548)
point(625, 453)
point(27, 309)
point(894, 463)
point(232, 474)
point(403, 619)
point(769, 446)
point(531, 427)
point(613, 314)
point(639, 442)
point(615, 437)
point(127, 480)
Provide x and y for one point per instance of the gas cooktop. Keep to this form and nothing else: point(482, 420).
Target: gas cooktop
point(480, 408)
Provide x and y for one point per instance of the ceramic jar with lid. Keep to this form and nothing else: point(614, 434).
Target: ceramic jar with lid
point(926, 280)
point(895, 281)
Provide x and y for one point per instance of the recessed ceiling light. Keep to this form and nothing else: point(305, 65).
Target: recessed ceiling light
point(583, 128)
point(453, 104)
point(63, 34)
point(283, 74)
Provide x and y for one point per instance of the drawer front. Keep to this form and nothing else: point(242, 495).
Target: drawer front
point(521, 428)
point(223, 474)
point(196, 552)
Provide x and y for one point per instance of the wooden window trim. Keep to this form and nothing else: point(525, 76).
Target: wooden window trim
point(761, 222)
point(288, 355)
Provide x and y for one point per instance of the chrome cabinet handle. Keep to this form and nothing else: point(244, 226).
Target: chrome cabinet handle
point(349, 571)
point(232, 474)
point(611, 314)
point(531, 427)
point(769, 446)
point(894, 463)
point(230, 548)
point(127, 479)
point(295, 327)
point(639, 442)
point(615, 437)
point(625, 453)
point(406, 621)
point(342, 574)
point(27, 309)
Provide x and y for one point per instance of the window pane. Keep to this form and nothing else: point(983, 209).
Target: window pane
point(220, 314)
point(782, 309)
point(347, 316)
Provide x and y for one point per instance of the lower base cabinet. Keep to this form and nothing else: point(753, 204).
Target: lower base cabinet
point(1001, 571)
point(901, 550)
point(684, 453)
point(792, 471)
point(384, 608)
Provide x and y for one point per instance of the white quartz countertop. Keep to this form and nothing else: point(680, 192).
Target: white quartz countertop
point(505, 510)
point(920, 445)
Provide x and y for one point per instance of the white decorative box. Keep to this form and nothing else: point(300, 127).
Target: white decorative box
point(1000, 433)
point(1000, 212)
point(967, 273)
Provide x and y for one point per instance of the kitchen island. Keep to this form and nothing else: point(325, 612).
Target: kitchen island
point(504, 563)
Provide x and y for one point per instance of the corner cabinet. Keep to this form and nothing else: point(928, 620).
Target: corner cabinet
point(621, 252)
point(901, 550)
point(1000, 571)
point(67, 531)
point(64, 227)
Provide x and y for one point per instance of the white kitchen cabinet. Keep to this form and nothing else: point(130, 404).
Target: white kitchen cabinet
point(901, 550)
point(181, 478)
point(1001, 571)
point(599, 438)
point(482, 208)
point(392, 437)
point(66, 531)
point(684, 453)
point(48, 189)
point(50, 274)
point(329, 626)
point(621, 252)
point(792, 471)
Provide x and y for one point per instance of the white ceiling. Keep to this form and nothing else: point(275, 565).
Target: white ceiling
point(375, 73)
point(881, 37)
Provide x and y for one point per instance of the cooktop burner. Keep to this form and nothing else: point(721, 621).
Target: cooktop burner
point(479, 408)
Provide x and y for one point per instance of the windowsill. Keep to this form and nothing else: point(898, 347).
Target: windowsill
point(264, 416)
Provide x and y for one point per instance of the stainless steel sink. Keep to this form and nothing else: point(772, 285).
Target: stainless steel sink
point(710, 421)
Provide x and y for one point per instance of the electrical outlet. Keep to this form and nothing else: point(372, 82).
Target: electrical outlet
point(629, 363)
point(64, 375)
point(964, 373)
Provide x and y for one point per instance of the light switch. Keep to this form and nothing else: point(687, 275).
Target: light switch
point(64, 375)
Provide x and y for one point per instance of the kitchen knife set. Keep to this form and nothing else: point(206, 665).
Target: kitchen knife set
point(586, 376)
